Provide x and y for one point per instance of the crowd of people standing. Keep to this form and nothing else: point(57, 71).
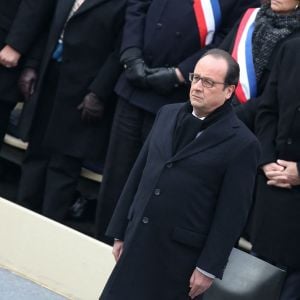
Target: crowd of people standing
point(93, 74)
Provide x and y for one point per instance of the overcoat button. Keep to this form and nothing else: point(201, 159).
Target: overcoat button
point(157, 192)
point(298, 109)
point(289, 141)
point(159, 25)
point(178, 34)
point(145, 220)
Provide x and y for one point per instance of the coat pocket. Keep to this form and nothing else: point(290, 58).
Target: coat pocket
point(188, 237)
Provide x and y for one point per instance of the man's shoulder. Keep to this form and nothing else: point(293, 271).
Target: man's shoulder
point(172, 108)
point(244, 134)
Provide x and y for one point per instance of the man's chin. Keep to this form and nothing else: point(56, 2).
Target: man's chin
point(197, 103)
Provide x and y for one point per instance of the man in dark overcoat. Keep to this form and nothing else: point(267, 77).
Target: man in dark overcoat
point(167, 37)
point(188, 195)
point(68, 118)
point(21, 24)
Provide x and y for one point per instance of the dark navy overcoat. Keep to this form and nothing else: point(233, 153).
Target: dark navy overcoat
point(180, 211)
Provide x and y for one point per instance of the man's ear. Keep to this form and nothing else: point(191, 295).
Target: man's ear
point(229, 91)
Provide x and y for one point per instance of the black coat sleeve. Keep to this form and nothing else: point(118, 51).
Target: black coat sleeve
point(29, 22)
point(277, 117)
point(135, 23)
point(104, 82)
point(233, 205)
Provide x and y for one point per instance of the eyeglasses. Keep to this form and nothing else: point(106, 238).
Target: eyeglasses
point(206, 82)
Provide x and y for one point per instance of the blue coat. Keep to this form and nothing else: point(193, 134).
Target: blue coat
point(167, 33)
point(180, 211)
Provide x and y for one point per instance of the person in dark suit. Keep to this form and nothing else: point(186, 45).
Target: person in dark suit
point(158, 52)
point(68, 118)
point(187, 197)
point(276, 215)
point(21, 24)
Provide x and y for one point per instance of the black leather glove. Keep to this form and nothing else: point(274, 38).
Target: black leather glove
point(135, 67)
point(163, 80)
point(27, 82)
point(92, 109)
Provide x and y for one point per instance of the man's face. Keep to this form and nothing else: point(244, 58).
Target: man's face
point(206, 99)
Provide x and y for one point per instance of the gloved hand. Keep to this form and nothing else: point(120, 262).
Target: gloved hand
point(27, 82)
point(92, 108)
point(163, 80)
point(135, 67)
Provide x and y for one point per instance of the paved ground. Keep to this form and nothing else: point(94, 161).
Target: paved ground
point(13, 287)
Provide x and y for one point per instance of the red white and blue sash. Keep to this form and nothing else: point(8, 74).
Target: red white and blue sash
point(208, 16)
point(242, 53)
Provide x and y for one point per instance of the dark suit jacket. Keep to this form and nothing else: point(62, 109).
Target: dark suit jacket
point(167, 33)
point(90, 63)
point(21, 23)
point(180, 211)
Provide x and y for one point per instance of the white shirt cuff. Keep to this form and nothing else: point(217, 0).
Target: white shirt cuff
point(206, 273)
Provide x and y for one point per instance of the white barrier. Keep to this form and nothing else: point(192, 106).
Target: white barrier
point(52, 255)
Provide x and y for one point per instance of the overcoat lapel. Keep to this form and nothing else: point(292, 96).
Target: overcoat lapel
point(62, 11)
point(167, 127)
point(210, 137)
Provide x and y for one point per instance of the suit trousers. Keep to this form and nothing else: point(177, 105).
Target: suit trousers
point(49, 179)
point(130, 128)
point(5, 110)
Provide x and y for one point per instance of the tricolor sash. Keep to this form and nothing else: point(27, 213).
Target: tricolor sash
point(242, 53)
point(208, 16)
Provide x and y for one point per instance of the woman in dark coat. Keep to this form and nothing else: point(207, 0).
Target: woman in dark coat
point(272, 113)
point(271, 25)
point(276, 215)
point(68, 117)
point(21, 23)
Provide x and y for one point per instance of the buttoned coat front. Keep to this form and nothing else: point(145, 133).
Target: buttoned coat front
point(180, 211)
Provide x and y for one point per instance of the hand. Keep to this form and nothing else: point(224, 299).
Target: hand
point(9, 57)
point(199, 283)
point(163, 80)
point(27, 82)
point(287, 178)
point(135, 67)
point(135, 72)
point(270, 168)
point(92, 108)
point(117, 249)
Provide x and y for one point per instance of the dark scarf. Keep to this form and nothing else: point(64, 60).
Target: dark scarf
point(270, 28)
point(188, 126)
